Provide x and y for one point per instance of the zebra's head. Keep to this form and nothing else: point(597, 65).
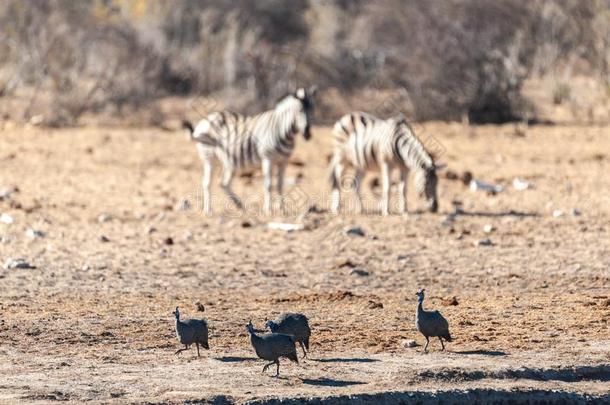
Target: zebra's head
point(304, 115)
point(426, 181)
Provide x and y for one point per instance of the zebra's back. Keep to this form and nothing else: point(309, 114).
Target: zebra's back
point(244, 140)
point(364, 140)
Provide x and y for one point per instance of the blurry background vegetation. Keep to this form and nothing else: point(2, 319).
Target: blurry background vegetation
point(142, 61)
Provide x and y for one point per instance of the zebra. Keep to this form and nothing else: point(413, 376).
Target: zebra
point(368, 143)
point(242, 142)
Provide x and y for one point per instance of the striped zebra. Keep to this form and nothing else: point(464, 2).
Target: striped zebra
point(366, 143)
point(243, 142)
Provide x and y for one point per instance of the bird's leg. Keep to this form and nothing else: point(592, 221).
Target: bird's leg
point(197, 344)
point(303, 347)
point(267, 366)
point(277, 372)
point(181, 350)
point(426, 347)
point(442, 344)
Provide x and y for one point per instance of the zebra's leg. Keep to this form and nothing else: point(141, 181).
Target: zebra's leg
point(358, 181)
point(266, 167)
point(385, 196)
point(281, 169)
point(336, 172)
point(402, 191)
point(227, 178)
point(208, 169)
point(207, 159)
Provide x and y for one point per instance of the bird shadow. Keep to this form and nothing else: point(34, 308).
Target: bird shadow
point(330, 382)
point(233, 359)
point(346, 360)
point(482, 352)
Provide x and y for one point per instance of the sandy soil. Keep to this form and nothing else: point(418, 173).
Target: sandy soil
point(93, 320)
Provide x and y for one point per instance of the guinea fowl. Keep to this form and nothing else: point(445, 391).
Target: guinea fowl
point(296, 325)
point(272, 346)
point(191, 331)
point(431, 323)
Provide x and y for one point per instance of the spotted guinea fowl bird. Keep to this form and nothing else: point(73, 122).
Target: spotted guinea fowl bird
point(191, 331)
point(296, 325)
point(272, 346)
point(431, 323)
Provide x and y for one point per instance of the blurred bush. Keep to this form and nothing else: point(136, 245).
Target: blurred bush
point(453, 59)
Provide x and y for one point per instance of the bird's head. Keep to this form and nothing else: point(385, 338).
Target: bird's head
point(420, 295)
point(176, 313)
point(269, 324)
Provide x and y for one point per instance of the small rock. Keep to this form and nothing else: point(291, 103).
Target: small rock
point(246, 224)
point(33, 233)
point(359, 272)
point(37, 119)
point(17, 264)
point(354, 231)
point(104, 218)
point(576, 212)
point(6, 219)
point(188, 235)
point(477, 185)
point(374, 305)
point(168, 241)
point(520, 185)
point(200, 306)
point(183, 205)
point(5, 194)
point(606, 303)
point(408, 343)
point(85, 267)
point(151, 229)
point(451, 175)
point(557, 213)
point(346, 263)
point(401, 258)
point(104, 239)
point(483, 242)
point(314, 209)
point(489, 228)
point(451, 301)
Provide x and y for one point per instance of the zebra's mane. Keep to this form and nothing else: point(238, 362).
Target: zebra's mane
point(411, 148)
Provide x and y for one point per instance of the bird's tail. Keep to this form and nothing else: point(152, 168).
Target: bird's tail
point(447, 337)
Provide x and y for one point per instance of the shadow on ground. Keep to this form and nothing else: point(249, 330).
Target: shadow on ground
point(482, 352)
point(346, 360)
point(567, 374)
point(330, 382)
point(232, 359)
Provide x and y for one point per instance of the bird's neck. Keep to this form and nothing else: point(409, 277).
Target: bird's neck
point(420, 305)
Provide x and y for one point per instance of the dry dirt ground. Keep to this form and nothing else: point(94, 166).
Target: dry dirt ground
point(92, 321)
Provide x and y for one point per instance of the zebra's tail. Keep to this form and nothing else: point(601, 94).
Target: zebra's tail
point(186, 124)
point(199, 136)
